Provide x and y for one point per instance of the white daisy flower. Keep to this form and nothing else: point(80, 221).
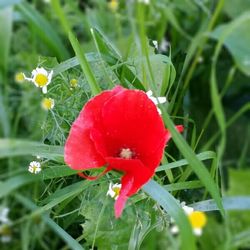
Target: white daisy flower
point(197, 219)
point(4, 211)
point(48, 103)
point(41, 78)
point(156, 100)
point(114, 190)
point(155, 43)
point(35, 167)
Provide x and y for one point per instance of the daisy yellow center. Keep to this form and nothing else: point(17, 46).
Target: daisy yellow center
point(197, 219)
point(34, 168)
point(126, 153)
point(47, 103)
point(41, 80)
point(113, 5)
point(19, 77)
point(116, 191)
point(5, 230)
point(73, 83)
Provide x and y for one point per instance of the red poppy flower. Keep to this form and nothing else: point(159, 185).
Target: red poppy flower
point(122, 130)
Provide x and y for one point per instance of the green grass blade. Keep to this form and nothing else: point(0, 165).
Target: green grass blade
point(44, 30)
point(71, 242)
point(183, 185)
point(173, 208)
point(202, 157)
point(107, 50)
point(4, 119)
point(229, 203)
point(6, 20)
point(80, 54)
point(13, 147)
point(198, 167)
point(16, 182)
point(84, 65)
point(4, 3)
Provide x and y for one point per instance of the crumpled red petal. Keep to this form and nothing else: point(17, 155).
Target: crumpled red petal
point(79, 151)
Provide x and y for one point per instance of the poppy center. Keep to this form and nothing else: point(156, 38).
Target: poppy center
point(41, 80)
point(126, 153)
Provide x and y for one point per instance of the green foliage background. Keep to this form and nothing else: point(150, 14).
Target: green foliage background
point(203, 70)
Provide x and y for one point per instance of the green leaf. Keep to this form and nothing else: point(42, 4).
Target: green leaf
point(6, 20)
point(229, 203)
point(173, 208)
point(235, 8)
point(84, 65)
point(202, 157)
point(183, 185)
point(230, 33)
point(13, 147)
point(102, 230)
point(4, 3)
point(21, 180)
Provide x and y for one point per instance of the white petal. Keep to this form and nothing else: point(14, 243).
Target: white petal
point(149, 93)
point(174, 229)
point(50, 76)
point(197, 231)
point(188, 210)
point(41, 71)
point(161, 99)
point(44, 89)
point(159, 111)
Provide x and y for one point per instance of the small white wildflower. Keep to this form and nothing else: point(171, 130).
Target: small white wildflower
point(197, 219)
point(19, 77)
point(156, 100)
point(200, 59)
point(114, 190)
point(73, 83)
point(6, 238)
point(4, 211)
point(155, 43)
point(164, 45)
point(35, 167)
point(41, 78)
point(48, 103)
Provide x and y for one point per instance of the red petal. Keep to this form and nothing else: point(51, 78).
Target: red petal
point(136, 175)
point(179, 128)
point(127, 183)
point(132, 168)
point(131, 120)
point(80, 152)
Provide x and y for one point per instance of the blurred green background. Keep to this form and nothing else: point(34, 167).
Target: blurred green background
point(199, 55)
